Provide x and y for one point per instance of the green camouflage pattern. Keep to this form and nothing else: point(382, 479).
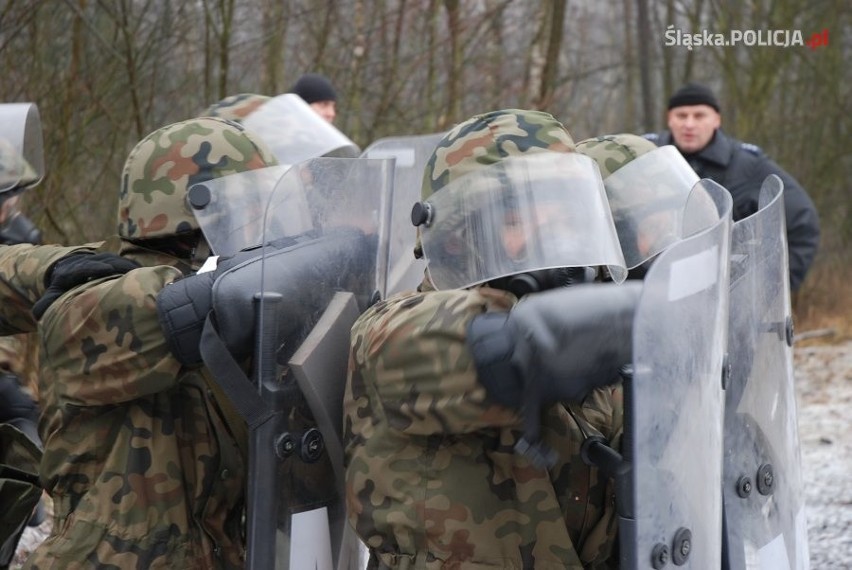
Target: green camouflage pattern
point(142, 464)
point(235, 107)
point(144, 461)
point(486, 139)
point(161, 168)
point(12, 353)
point(432, 478)
point(15, 171)
point(19, 356)
point(22, 272)
point(612, 152)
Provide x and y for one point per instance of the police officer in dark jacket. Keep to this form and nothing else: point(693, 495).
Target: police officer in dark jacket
point(694, 128)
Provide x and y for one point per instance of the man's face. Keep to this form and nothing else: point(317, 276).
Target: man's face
point(547, 222)
point(325, 109)
point(692, 126)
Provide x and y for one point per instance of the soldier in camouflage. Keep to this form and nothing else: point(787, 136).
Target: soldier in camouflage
point(143, 458)
point(433, 478)
point(19, 441)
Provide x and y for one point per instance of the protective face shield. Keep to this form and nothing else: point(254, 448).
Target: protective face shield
point(405, 272)
point(295, 132)
point(524, 214)
point(231, 210)
point(22, 149)
point(647, 197)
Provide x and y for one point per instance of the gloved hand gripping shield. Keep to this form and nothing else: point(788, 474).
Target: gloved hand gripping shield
point(411, 153)
point(293, 301)
point(673, 405)
point(525, 213)
point(765, 523)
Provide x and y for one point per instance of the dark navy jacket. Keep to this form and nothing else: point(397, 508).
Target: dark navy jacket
point(741, 168)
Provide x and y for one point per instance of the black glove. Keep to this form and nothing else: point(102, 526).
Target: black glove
point(555, 346)
point(76, 269)
point(561, 343)
point(183, 306)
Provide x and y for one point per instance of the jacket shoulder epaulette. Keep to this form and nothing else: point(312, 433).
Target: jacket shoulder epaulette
point(751, 148)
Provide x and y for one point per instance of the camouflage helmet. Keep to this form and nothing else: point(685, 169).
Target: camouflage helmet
point(488, 138)
point(235, 107)
point(612, 152)
point(162, 166)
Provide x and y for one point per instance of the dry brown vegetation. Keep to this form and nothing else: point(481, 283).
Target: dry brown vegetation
point(824, 304)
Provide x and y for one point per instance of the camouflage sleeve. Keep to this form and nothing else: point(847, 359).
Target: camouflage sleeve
point(22, 271)
point(104, 340)
point(410, 362)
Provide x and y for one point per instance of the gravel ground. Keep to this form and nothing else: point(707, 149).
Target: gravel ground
point(824, 393)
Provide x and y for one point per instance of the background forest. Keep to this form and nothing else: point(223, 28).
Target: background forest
point(105, 73)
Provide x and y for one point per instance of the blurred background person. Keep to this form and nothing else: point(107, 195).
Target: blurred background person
point(319, 93)
point(695, 127)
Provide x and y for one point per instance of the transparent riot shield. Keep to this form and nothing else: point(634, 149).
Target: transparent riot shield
point(294, 303)
point(230, 209)
point(411, 154)
point(673, 405)
point(295, 132)
point(22, 151)
point(763, 500)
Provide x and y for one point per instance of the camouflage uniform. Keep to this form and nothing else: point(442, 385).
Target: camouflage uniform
point(145, 466)
point(432, 478)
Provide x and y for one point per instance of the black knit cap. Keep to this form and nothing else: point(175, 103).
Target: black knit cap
point(693, 94)
point(313, 87)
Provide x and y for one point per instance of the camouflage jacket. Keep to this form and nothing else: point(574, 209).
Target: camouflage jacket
point(12, 351)
point(142, 466)
point(432, 478)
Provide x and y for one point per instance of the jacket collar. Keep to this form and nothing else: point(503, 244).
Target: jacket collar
point(719, 151)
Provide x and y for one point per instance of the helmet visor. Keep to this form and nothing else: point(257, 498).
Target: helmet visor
point(230, 209)
point(647, 198)
point(295, 132)
point(525, 213)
